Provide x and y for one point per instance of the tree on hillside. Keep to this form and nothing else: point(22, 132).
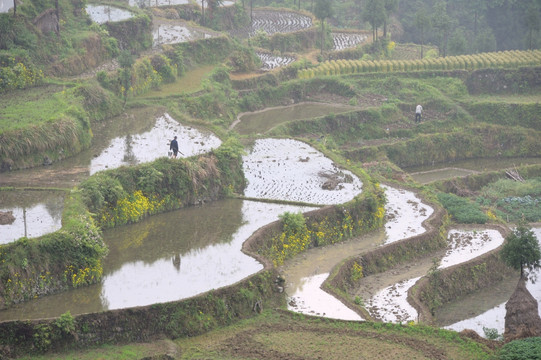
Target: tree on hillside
point(532, 23)
point(323, 10)
point(442, 23)
point(521, 249)
point(126, 61)
point(374, 13)
point(390, 6)
point(422, 23)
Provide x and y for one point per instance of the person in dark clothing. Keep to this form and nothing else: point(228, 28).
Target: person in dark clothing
point(174, 147)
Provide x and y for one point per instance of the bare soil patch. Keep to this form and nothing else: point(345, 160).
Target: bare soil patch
point(284, 335)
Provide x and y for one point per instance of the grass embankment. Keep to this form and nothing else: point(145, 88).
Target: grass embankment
point(283, 335)
point(51, 121)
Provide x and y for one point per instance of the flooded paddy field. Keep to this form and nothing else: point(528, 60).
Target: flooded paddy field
point(486, 308)
point(260, 122)
point(101, 14)
point(177, 31)
point(346, 40)
point(132, 138)
point(285, 169)
point(385, 294)
point(166, 257)
point(305, 274)
point(271, 61)
point(32, 213)
point(149, 145)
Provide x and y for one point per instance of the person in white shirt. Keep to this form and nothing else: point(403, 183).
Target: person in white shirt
point(418, 111)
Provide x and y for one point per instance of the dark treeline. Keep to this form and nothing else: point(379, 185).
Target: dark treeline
point(455, 26)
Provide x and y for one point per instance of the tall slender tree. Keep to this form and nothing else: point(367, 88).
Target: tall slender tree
point(390, 6)
point(374, 13)
point(422, 23)
point(442, 23)
point(323, 10)
point(533, 23)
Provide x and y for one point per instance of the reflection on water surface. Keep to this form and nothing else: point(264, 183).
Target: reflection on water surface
point(36, 213)
point(101, 13)
point(166, 257)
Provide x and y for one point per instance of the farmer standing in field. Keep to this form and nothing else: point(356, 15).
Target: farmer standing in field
point(418, 111)
point(174, 147)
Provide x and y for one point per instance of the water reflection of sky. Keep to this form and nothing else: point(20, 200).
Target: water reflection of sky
point(173, 34)
point(201, 269)
point(285, 169)
point(5, 5)
point(153, 3)
point(404, 214)
point(148, 146)
point(156, 3)
point(103, 13)
point(31, 222)
point(495, 317)
point(311, 300)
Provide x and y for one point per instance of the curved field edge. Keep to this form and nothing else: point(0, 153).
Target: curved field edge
point(437, 287)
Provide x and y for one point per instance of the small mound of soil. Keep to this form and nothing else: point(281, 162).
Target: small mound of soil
point(6, 217)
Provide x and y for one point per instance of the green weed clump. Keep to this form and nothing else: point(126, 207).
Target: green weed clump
point(462, 210)
point(297, 235)
point(524, 349)
point(514, 200)
point(68, 258)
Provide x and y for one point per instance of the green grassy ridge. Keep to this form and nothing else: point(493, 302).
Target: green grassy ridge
point(472, 142)
point(507, 113)
point(52, 53)
point(56, 125)
point(270, 95)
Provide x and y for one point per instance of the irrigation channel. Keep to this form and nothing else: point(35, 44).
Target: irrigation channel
point(187, 252)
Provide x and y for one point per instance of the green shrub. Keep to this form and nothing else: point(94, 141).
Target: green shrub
point(100, 190)
point(524, 349)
